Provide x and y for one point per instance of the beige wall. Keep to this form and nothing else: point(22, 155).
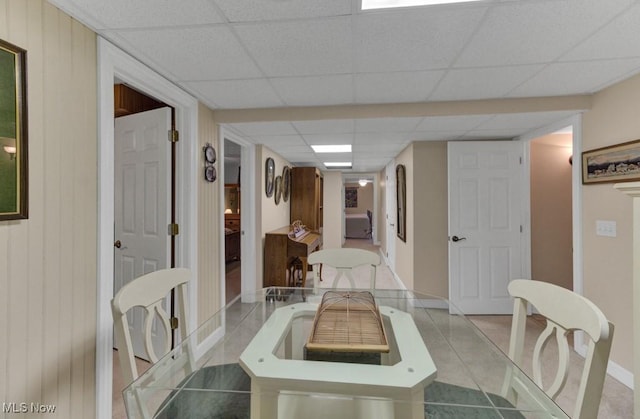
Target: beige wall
point(332, 210)
point(209, 298)
point(365, 198)
point(431, 209)
point(269, 216)
point(48, 262)
point(551, 213)
point(608, 260)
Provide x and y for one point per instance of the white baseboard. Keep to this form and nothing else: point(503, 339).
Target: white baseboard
point(614, 370)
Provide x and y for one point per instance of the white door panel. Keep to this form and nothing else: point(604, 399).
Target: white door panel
point(485, 214)
point(141, 203)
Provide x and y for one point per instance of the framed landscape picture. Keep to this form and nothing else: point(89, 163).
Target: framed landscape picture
point(13, 132)
point(617, 163)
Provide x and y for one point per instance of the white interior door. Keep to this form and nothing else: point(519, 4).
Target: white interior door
point(141, 205)
point(485, 228)
point(390, 216)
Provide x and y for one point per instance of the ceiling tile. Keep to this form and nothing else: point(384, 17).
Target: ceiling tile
point(395, 87)
point(534, 32)
point(381, 125)
point(412, 39)
point(437, 135)
point(281, 141)
point(299, 48)
point(265, 128)
point(236, 94)
point(332, 126)
point(212, 53)
point(482, 83)
point(251, 10)
point(606, 43)
point(315, 90)
point(328, 139)
point(576, 78)
point(446, 123)
point(150, 13)
point(516, 122)
point(376, 138)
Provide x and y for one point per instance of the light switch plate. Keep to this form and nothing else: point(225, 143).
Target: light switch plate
point(606, 228)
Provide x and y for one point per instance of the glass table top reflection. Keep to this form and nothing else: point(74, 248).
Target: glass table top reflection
point(250, 360)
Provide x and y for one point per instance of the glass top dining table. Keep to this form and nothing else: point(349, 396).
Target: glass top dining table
point(250, 360)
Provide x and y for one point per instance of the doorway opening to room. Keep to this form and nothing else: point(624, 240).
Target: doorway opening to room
point(551, 191)
point(359, 209)
point(232, 225)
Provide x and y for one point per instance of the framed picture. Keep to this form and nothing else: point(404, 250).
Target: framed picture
point(269, 176)
point(617, 163)
point(13, 132)
point(401, 196)
point(351, 197)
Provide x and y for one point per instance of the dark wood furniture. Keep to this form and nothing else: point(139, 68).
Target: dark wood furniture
point(232, 245)
point(306, 197)
point(232, 221)
point(280, 252)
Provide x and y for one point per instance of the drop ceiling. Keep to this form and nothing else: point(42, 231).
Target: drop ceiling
point(239, 56)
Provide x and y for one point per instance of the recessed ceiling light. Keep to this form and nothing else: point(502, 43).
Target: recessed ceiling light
point(386, 4)
point(337, 164)
point(338, 148)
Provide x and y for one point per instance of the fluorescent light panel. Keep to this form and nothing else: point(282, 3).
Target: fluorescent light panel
point(337, 164)
point(386, 4)
point(338, 148)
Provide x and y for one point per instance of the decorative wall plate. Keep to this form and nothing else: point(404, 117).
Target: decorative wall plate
point(278, 192)
point(269, 175)
point(286, 183)
point(209, 153)
point(210, 174)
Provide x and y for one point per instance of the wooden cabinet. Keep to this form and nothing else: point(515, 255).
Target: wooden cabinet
point(232, 246)
point(306, 197)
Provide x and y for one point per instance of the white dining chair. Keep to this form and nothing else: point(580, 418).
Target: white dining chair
point(149, 291)
point(344, 260)
point(565, 311)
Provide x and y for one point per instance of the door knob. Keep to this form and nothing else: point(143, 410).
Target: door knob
point(457, 239)
point(117, 244)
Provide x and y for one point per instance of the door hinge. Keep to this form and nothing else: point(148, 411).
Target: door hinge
point(520, 229)
point(174, 136)
point(173, 229)
point(174, 323)
point(520, 158)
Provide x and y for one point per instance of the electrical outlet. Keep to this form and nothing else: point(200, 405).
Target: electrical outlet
point(606, 228)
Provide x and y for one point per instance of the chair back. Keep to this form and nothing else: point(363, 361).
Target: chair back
point(344, 260)
point(149, 292)
point(565, 311)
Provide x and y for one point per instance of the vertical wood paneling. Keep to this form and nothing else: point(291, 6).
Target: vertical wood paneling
point(48, 262)
point(208, 224)
point(35, 366)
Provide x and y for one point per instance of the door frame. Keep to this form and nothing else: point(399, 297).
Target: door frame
point(576, 201)
point(248, 206)
point(114, 64)
point(374, 210)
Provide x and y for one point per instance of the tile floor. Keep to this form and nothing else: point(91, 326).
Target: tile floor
point(617, 399)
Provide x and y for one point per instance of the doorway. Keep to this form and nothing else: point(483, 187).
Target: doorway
point(115, 65)
point(550, 160)
point(232, 220)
